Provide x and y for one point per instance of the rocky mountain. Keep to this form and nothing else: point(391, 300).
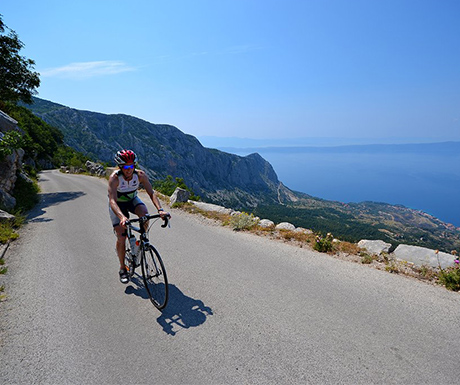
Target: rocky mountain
point(165, 150)
point(240, 182)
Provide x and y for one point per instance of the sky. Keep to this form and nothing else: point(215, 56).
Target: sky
point(374, 69)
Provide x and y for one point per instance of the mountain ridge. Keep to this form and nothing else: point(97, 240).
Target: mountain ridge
point(240, 182)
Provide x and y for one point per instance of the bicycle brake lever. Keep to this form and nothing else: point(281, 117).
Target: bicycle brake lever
point(166, 220)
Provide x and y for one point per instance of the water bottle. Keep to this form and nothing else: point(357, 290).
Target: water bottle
point(134, 247)
point(137, 258)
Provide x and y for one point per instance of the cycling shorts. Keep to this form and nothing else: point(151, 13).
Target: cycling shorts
point(126, 208)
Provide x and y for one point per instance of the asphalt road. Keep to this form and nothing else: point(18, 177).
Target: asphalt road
point(243, 309)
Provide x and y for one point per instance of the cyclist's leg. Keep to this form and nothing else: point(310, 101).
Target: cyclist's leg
point(120, 233)
point(140, 209)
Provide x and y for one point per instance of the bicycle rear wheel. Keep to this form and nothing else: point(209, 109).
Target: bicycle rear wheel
point(154, 275)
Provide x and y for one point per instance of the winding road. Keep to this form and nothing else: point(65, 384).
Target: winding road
point(243, 309)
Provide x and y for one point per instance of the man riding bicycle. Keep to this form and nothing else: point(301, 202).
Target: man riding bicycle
point(123, 199)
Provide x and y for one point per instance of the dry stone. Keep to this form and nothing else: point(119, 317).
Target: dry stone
point(422, 256)
point(285, 226)
point(266, 223)
point(4, 216)
point(211, 207)
point(374, 246)
point(179, 195)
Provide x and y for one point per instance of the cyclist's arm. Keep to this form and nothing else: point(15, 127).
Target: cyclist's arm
point(113, 184)
point(148, 188)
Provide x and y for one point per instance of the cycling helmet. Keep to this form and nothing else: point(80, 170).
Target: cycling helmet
point(125, 157)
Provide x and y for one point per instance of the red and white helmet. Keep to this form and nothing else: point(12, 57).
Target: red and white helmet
point(125, 157)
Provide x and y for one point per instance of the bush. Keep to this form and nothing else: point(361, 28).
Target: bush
point(9, 141)
point(168, 185)
point(450, 278)
point(366, 258)
point(26, 195)
point(242, 221)
point(323, 244)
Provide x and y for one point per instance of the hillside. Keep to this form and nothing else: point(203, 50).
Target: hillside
point(239, 182)
point(165, 150)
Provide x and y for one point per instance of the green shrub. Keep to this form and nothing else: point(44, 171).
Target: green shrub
point(392, 267)
point(366, 258)
point(168, 185)
point(26, 194)
point(450, 278)
point(242, 221)
point(9, 141)
point(323, 244)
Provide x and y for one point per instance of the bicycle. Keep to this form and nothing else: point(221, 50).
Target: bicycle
point(146, 256)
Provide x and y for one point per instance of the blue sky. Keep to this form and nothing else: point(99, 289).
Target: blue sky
point(253, 68)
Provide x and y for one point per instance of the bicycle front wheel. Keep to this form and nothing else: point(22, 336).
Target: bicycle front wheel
point(154, 275)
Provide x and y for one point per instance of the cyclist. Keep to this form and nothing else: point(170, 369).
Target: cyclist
point(123, 199)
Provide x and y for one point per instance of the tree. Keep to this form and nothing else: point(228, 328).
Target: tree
point(18, 81)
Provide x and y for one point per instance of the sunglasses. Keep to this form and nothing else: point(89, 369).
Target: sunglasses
point(128, 167)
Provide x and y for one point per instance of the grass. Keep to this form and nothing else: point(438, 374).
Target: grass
point(7, 232)
point(2, 291)
point(367, 258)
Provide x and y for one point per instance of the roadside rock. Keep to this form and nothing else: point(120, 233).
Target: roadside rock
point(302, 230)
point(95, 168)
point(211, 207)
point(4, 216)
point(422, 256)
point(9, 169)
point(374, 246)
point(285, 226)
point(266, 223)
point(179, 195)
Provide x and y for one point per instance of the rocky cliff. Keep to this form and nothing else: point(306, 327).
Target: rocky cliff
point(165, 150)
point(10, 165)
point(240, 182)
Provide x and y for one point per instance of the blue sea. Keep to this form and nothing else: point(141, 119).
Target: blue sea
point(420, 176)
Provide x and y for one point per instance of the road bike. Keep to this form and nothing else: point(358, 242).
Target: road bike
point(142, 253)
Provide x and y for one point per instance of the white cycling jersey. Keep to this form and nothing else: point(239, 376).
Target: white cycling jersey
point(127, 190)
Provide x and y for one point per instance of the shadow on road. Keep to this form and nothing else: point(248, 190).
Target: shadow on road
point(136, 287)
point(181, 312)
point(51, 199)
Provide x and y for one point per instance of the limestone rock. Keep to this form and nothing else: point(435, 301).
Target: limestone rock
point(302, 230)
point(285, 226)
point(266, 223)
point(6, 200)
point(10, 166)
point(374, 246)
point(5, 216)
point(211, 207)
point(179, 195)
point(95, 168)
point(423, 256)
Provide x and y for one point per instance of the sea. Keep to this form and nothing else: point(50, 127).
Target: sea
point(423, 176)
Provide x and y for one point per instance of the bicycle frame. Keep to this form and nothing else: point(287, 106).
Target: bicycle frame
point(141, 229)
point(153, 271)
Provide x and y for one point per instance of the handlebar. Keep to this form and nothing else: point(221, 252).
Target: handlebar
point(145, 218)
